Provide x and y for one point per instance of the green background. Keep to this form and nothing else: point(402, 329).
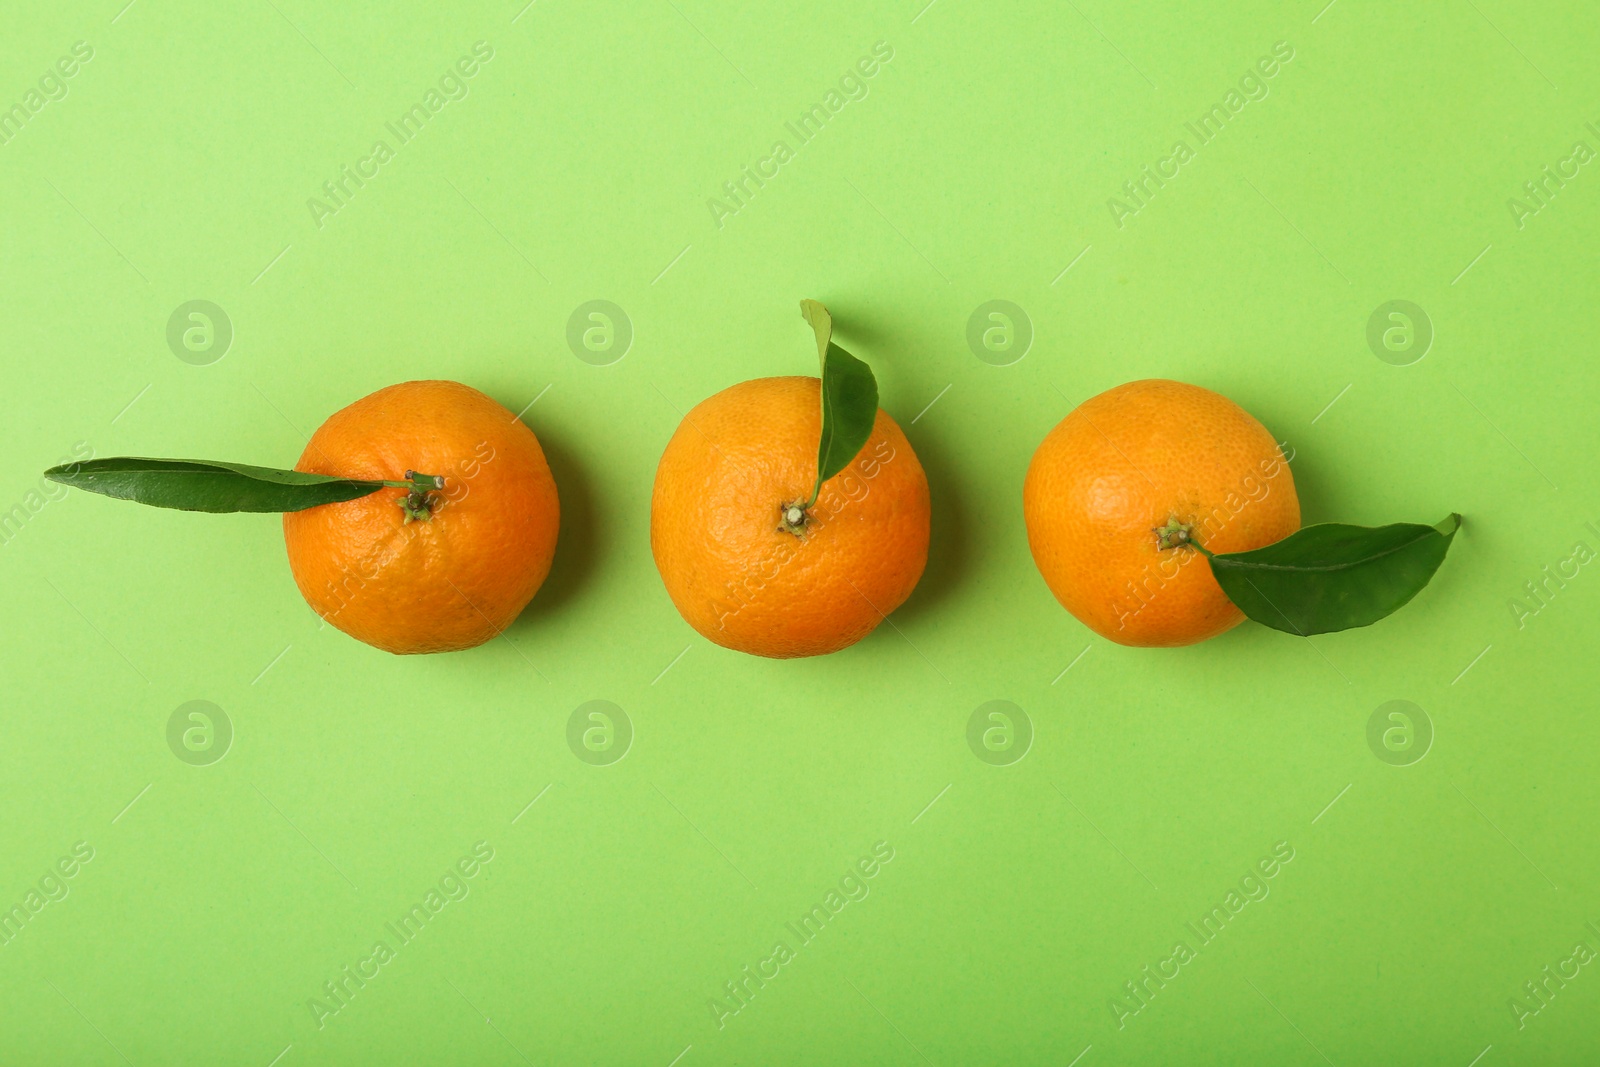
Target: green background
point(978, 166)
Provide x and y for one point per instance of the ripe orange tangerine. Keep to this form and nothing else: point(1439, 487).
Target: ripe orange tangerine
point(426, 572)
point(1119, 488)
point(746, 564)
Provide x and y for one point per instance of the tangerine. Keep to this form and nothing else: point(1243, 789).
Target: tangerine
point(746, 562)
point(436, 571)
point(1121, 488)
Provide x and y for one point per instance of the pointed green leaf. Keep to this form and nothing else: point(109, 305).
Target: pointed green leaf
point(204, 485)
point(849, 398)
point(821, 324)
point(1333, 576)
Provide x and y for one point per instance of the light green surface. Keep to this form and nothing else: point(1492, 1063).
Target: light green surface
point(977, 167)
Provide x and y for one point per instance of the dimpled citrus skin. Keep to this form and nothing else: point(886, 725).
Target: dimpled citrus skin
point(455, 580)
point(1128, 461)
point(739, 579)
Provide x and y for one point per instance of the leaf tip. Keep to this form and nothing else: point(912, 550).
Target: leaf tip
point(821, 324)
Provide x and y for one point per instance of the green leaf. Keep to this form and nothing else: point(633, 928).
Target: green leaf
point(202, 485)
point(849, 399)
point(1333, 576)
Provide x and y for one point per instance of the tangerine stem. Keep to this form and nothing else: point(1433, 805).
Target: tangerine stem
point(418, 483)
point(416, 503)
point(792, 517)
point(1176, 534)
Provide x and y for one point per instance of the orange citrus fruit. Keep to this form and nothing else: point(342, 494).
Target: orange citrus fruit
point(434, 572)
point(1118, 487)
point(740, 570)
